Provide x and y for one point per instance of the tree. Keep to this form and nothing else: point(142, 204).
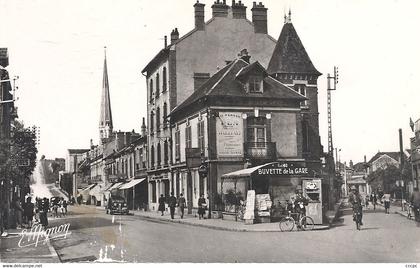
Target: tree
point(385, 178)
point(18, 156)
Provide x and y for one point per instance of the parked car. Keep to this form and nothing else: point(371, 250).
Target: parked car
point(117, 205)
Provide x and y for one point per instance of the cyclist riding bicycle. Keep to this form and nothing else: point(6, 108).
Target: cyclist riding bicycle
point(356, 201)
point(298, 204)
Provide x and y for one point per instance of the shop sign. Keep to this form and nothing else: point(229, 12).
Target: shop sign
point(229, 132)
point(284, 169)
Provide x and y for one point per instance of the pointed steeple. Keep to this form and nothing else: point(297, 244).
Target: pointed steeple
point(290, 56)
point(105, 120)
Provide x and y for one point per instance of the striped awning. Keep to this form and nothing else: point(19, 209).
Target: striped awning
point(131, 183)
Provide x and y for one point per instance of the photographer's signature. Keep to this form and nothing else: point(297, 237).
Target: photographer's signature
point(38, 234)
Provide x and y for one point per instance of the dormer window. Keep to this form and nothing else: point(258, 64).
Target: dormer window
point(255, 84)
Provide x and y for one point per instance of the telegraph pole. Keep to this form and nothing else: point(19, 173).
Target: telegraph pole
point(329, 89)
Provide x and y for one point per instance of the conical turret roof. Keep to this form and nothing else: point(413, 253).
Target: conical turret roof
point(289, 55)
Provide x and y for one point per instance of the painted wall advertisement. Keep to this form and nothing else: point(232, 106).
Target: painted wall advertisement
point(229, 132)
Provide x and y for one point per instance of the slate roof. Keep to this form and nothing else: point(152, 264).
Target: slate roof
point(225, 83)
point(393, 155)
point(289, 55)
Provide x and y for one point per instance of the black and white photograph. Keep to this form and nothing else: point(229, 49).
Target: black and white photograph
point(209, 131)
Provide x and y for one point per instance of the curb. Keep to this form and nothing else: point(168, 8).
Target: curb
point(153, 219)
point(54, 252)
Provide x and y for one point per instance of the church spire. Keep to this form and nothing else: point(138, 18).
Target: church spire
point(105, 120)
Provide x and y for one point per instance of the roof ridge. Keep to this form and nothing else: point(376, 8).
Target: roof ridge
point(224, 75)
point(294, 91)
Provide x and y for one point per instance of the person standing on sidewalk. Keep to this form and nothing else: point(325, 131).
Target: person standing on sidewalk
point(28, 211)
point(172, 204)
point(161, 201)
point(415, 202)
point(4, 218)
point(202, 205)
point(386, 198)
point(17, 207)
point(43, 212)
point(181, 205)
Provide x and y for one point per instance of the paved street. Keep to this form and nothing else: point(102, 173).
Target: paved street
point(97, 236)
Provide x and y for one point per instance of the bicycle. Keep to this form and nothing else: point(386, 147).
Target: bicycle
point(306, 223)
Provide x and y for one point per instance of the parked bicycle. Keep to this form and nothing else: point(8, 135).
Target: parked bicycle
point(305, 223)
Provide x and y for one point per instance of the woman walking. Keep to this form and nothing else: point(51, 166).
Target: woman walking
point(202, 205)
point(161, 204)
point(28, 211)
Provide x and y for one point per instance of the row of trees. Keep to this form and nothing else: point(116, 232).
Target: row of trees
point(17, 158)
point(386, 178)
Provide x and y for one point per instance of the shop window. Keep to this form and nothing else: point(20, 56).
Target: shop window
point(153, 191)
point(177, 145)
point(177, 184)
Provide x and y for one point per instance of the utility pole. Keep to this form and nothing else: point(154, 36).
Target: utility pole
point(402, 184)
point(329, 89)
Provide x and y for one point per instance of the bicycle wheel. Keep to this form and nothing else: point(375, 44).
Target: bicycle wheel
point(307, 223)
point(287, 224)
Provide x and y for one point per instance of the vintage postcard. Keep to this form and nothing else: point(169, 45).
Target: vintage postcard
point(209, 131)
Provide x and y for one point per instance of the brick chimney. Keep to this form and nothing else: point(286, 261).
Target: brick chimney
point(220, 9)
point(4, 57)
point(199, 16)
point(259, 18)
point(174, 35)
point(238, 10)
point(200, 79)
point(244, 55)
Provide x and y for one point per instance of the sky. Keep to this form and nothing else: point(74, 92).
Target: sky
point(56, 48)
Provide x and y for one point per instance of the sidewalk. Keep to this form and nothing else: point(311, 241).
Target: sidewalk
point(217, 224)
point(10, 252)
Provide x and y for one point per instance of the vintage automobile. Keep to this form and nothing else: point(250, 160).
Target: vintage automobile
point(117, 205)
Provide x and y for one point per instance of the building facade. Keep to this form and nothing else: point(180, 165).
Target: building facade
point(185, 64)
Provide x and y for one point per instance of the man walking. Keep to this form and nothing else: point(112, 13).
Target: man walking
point(181, 205)
point(415, 202)
point(172, 204)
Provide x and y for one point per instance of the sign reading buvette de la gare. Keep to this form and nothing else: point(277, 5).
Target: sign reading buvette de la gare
point(283, 169)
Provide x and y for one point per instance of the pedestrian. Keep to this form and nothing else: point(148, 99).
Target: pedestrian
point(161, 201)
point(43, 212)
point(55, 206)
point(367, 201)
point(4, 218)
point(61, 207)
point(374, 199)
point(37, 208)
point(172, 204)
point(181, 205)
point(415, 202)
point(202, 205)
point(65, 203)
point(386, 198)
point(18, 211)
point(28, 211)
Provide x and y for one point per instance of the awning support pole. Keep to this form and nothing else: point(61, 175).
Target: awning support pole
point(236, 212)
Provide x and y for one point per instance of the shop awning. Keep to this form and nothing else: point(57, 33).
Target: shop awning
point(87, 189)
point(131, 183)
point(243, 173)
point(115, 186)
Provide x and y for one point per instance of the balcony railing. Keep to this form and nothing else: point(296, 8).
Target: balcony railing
point(260, 150)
